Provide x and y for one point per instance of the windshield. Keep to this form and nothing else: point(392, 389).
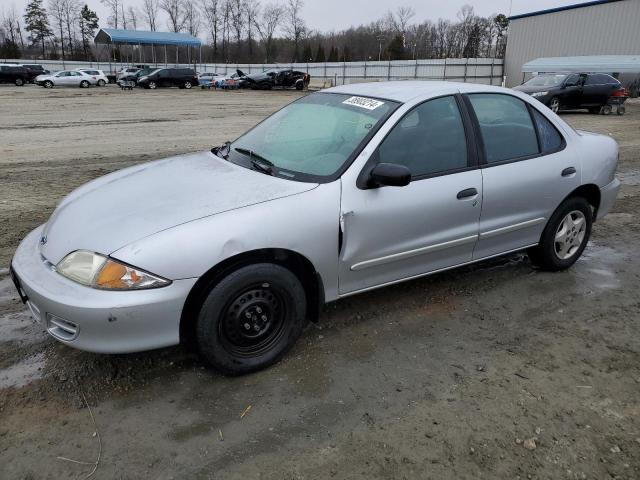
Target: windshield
point(313, 138)
point(546, 80)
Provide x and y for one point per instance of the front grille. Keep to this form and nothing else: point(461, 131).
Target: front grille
point(61, 328)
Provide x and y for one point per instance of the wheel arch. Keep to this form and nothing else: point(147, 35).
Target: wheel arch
point(591, 193)
point(297, 263)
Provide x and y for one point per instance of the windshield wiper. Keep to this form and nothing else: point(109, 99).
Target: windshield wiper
point(222, 150)
point(258, 161)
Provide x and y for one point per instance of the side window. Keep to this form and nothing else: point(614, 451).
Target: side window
point(506, 127)
point(597, 79)
point(550, 138)
point(429, 140)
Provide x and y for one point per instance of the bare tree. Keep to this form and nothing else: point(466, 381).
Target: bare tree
point(295, 27)
point(71, 10)
point(252, 10)
point(267, 24)
point(9, 22)
point(237, 22)
point(56, 10)
point(192, 19)
point(114, 11)
point(150, 13)
point(173, 9)
point(211, 11)
point(133, 16)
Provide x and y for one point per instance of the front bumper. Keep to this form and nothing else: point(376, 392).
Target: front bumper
point(608, 195)
point(97, 320)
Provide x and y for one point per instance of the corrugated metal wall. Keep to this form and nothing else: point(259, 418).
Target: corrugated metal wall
point(610, 28)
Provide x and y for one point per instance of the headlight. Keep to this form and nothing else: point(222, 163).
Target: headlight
point(539, 94)
point(97, 271)
point(142, 78)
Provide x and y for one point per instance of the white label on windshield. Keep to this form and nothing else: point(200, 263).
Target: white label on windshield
point(362, 102)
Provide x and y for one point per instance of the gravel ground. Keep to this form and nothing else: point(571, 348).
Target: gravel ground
point(490, 371)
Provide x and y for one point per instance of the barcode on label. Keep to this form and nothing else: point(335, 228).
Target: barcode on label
point(362, 102)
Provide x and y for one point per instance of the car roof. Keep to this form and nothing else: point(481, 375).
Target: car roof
point(406, 90)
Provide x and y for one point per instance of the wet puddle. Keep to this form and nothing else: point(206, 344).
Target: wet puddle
point(598, 266)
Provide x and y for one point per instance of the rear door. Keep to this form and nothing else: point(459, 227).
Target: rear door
point(526, 172)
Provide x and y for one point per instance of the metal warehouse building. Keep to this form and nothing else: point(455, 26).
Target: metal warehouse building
point(604, 27)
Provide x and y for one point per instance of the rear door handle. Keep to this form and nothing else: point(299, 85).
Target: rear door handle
point(568, 171)
point(466, 193)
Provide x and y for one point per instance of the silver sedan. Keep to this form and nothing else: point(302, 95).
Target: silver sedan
point(340, 192)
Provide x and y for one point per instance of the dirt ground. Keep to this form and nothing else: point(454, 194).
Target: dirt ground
point(489, 372)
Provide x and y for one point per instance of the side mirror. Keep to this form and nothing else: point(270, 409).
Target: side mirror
point(389, 174)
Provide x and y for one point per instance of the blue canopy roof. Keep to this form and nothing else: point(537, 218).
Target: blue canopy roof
point(135, 37)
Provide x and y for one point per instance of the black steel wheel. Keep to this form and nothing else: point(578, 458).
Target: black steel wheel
point(251, 318)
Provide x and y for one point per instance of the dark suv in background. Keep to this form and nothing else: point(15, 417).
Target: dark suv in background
point(33, 70)
point(15, 74)
point(560, 91)
point(169, 77)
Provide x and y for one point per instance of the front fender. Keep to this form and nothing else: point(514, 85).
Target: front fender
point(306, 223)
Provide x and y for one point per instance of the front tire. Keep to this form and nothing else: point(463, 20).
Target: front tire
point(152, 85)
point(565, 236)
point(84, 84)
point(48, 84)
point(554, 105)
point(251, 318)
point(19, 82)
point(188, 85)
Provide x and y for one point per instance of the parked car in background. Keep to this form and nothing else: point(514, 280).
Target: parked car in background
point(208, 79)
point(275, 77)
point(169, 77)
point(15, 74)
point(97, 76)
point(65, 78)
point(228, 82)
point(340, 192)
point(133, 77)
point(34, 69)
point(565, 91)
point(127, 71)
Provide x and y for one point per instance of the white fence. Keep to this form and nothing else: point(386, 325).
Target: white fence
point(476, 70)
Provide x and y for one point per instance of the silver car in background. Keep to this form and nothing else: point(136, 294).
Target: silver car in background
point(340, 192)
point(65, 78)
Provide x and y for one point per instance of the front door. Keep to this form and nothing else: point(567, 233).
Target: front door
point(527, 172)
point(393, 233)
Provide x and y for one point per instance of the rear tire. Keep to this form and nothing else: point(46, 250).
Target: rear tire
point(188, 85)
point(565, 236)
point(554, 105)
point(19, 82)
point(152, 85)
point(621, 110)
point(101, 83)
point(606, 110)
point(251, 318)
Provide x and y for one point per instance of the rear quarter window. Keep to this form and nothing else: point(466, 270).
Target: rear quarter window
point(550, 139)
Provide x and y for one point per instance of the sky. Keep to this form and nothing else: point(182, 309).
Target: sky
point(328, 15)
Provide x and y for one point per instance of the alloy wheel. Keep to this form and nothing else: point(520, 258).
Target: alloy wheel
point(554, 105)
point(570, 234)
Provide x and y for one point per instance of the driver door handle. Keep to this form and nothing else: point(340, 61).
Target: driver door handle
point(568, 171)
point(466, 193)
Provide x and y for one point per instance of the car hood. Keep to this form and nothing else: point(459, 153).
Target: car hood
point(117, 209)
point(533, 89)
